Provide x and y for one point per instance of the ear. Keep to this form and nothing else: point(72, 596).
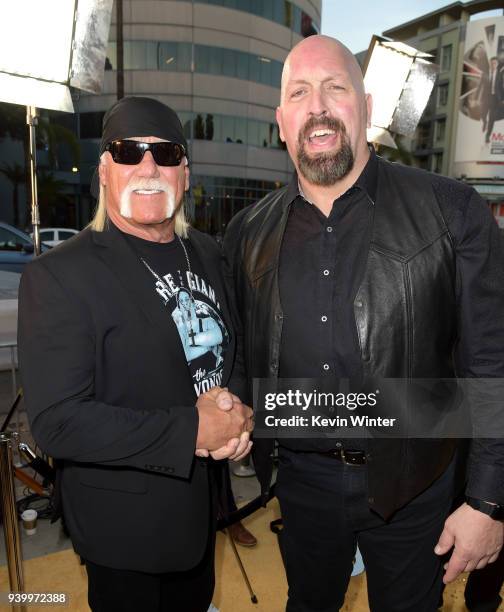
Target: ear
point(280, 123)
point(369, 107)
point(102, 172)
point(187, 175)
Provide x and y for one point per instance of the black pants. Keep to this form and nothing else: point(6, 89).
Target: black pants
point(112, 590)
point(326, 513)
point(483, 587)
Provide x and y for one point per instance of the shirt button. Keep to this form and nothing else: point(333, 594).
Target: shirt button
point(326, 366)
point(329, 229)
point(323, 318)
point(326, 272)
point(358, 304)
point(371, 500)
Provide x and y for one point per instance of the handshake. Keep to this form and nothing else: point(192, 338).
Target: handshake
point(224, 425)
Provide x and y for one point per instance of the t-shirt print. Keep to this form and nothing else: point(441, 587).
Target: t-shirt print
point(202, 331)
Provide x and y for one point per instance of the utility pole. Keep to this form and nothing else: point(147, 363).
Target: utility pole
point(120, 49)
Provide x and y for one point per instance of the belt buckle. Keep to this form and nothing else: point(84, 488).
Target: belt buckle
point(344, 457)
point(349, 460)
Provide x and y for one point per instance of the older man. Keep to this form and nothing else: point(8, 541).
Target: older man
point(405, 273)
point(110, 392)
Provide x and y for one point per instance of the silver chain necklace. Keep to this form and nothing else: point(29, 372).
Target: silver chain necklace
point(158, 278)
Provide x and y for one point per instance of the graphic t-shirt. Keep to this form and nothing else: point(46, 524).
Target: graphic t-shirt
point(192, 305)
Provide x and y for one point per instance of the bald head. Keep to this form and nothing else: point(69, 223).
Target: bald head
point(310, 50)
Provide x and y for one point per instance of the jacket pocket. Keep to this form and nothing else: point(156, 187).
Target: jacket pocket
point(126, 480)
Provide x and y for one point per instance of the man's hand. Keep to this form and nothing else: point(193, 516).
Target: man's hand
point(477, 540)
point(231, 427)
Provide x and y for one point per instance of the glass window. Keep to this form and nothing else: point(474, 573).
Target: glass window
point(228, 129)
point(10, 241)
point(215, 60)
point(199, 127)
point(241, 130)
point(217, 124)
point(242, 65)
point(255, 69)
point(184, 57)
point(307, 28)
point(138, 56)
point(253, 133)
point(202, 59)
point(229, 62)
point(264, 134)
point(151, 56)
point(46, 235)
point(256, 7)
point(289, 14)
point(422, 136)
point(244, 5)
point(440, 129)
point(279, 11)
point(267, 9)
point(276, 73)
point(187, 126)
point(296, 18)
point(168, 56)
point(446, 57)
point(62, 235)
point(443, 95)
point(265, 68)
point(209, 127)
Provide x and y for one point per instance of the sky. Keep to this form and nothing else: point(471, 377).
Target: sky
point(355, 21)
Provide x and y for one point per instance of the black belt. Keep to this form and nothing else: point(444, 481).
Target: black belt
point(346, 455)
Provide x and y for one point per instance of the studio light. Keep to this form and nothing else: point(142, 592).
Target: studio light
point(400, 79)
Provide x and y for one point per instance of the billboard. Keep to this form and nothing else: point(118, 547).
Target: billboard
point(480, 128)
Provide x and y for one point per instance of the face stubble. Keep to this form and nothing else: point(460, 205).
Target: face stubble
point(326, 168)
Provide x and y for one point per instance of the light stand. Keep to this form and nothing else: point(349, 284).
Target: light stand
point(31, 122)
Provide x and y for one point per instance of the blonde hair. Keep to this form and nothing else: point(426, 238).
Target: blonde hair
point(101, 219)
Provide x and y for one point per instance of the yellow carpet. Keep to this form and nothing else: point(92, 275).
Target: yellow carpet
point(61, 572)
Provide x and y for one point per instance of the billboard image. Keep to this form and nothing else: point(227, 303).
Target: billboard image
point(480, 131)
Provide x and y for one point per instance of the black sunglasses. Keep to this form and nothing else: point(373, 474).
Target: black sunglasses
point(131, 152)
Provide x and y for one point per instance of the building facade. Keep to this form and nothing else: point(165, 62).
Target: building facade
point(218, 63)
point(443, 127)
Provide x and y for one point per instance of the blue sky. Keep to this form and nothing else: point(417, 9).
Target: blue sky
point(355, 21)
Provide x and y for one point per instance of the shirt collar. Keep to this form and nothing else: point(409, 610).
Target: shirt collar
point(367, 181)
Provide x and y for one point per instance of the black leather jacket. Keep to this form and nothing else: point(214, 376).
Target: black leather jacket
point(405, 314)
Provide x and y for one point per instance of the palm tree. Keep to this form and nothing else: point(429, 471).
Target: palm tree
point(17, 176)
point(54, 134)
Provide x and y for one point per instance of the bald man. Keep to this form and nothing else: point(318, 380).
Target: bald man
point(359, 269)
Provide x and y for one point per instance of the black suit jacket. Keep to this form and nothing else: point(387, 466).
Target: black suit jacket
point(109, 394)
